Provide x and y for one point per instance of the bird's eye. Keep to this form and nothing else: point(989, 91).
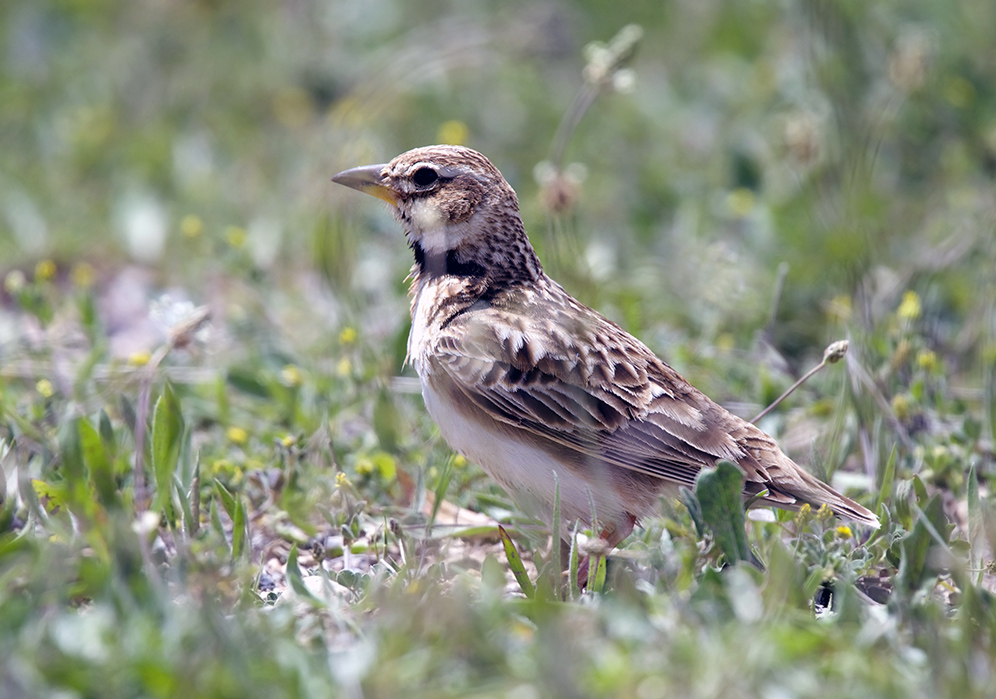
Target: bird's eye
point(424, 176)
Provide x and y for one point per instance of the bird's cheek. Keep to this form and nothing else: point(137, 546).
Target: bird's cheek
point(427, 217)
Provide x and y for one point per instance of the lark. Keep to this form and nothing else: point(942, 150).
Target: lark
point(544, 393)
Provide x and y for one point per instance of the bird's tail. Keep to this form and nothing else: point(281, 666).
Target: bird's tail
point(797, 487)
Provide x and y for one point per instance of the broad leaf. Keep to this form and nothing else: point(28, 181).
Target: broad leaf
point(718, 492)
point(167, 433)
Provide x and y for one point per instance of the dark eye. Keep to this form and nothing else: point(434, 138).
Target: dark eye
point(424, 176)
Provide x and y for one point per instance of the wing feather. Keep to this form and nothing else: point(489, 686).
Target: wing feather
point(625, 408)
point(579, 384)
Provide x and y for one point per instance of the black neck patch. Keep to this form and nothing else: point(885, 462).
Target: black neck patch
point(440, 264)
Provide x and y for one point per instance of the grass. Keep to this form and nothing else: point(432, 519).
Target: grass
point(220, 481)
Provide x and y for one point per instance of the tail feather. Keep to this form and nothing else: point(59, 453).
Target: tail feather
point(794, 487)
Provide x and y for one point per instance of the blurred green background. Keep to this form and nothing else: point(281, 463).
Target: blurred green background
point(759, 179)
point(849, 142)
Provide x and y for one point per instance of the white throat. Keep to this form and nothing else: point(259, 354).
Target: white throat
point(435, 235)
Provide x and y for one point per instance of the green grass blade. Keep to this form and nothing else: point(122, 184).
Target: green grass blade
point(100, 468)
point(439, 494)
point(976, 536)
point(596, 572)
point(888, 478)
point(516, 564)
point(167, 431)
point(240, 529)
point(572, 577)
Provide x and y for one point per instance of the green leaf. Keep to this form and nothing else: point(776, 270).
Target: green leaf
point(227, 499)
point(240, 529)
point(99, 465)
point(573, 566)
point(493, 573)
point(439, 494)
point(183, 497)
point(386, 466)
point(386, 420)
point(902, 503)
point(920, 490)
point(516, 565)
point(719, 491)
point(236, 511)
point(296, 580)
point(976, 534)
point(8, 508)
point(888, 478)
point(246, 381)
point(694, 508)
point(73, 469)
point(127, 413)
point(51, 496)
point(216, 524)
point(106, 430)
point(71, 452)
point(916, 563)
point(596, 573)
point(167, 433)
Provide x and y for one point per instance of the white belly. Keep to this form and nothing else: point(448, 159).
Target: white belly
point(530, 475)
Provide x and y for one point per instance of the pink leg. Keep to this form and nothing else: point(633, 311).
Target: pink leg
point(611, 537)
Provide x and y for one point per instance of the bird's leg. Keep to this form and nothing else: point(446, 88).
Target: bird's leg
point(608, 538)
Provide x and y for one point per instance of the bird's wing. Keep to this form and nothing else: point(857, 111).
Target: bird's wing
point(587, 386)
point(576, 380)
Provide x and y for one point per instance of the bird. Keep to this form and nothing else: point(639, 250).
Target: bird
point(553, 400)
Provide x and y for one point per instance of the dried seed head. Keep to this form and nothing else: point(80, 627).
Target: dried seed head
point(835, 351)
point(910, 61)
point(803, 137)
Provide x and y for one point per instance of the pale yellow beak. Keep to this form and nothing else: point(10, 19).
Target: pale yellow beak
point(367, 178)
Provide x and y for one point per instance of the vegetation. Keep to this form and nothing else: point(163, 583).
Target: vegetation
point(220, 481)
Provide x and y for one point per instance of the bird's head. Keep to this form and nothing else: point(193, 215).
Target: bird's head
point(458, 212)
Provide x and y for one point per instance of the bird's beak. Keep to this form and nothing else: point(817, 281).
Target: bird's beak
point(367, 178)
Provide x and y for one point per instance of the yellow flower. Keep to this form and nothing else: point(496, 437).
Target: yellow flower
point(191, 226)
point(459, 461)
point(236, 236)
point(83, 275)
point(839, 307)
point(453, 132)
point(910, 307)
point(45, 388)
point(290, 375)
point(45, 270)
point(347, 336)
point(288, 440)
point(901, 405)
point(844, 531)
point(237, 435)
point(226, 470)
point(740, 202)
point(341, 480)
point(343, 367)
point(927, 360)
point(139, 358)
